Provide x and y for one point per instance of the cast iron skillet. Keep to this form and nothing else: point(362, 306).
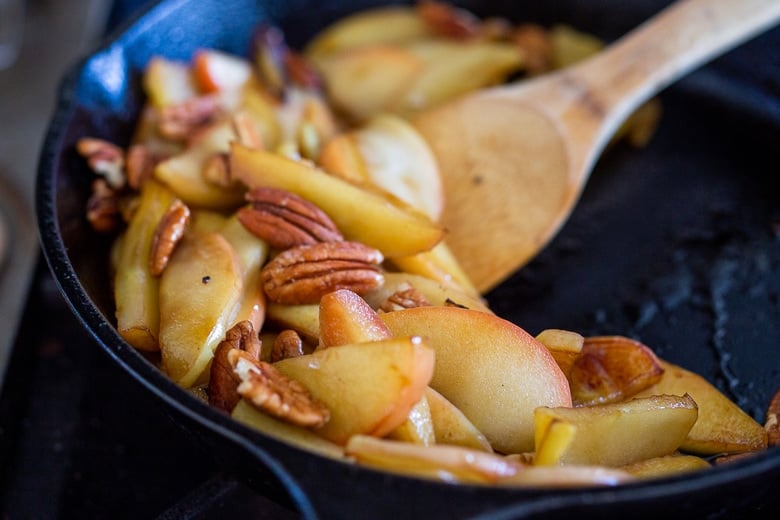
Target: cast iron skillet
point(676, 245)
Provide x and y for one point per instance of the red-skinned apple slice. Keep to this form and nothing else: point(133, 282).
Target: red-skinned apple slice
point(369, 388)
point(491, 369)
point(215, 70)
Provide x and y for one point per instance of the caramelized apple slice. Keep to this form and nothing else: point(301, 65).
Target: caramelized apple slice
point(613, 434)
point(566, 476)
point(564, 345)
point(285, 432)
point(200, 291)
point(448, 463)
point(435, 292)
point(385, 25)
point(168, 82)
point(183, 173)
point(478, 361)
point(215, 70)
point(369, 388)
point(450, 426)
point(665, 466)
point(136, 291)
point(345, 317)
point(611, 369)
point(362, 215)
point(722, 426)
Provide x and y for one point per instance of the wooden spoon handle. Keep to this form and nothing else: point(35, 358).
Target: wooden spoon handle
point(680, 38)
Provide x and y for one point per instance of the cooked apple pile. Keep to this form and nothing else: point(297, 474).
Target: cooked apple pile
point(278, 253)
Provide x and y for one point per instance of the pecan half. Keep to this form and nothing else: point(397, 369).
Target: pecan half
point(105, 159)
point(276, 394)
point(286, 345)
point(169, 232)
point(223, 381)
point(405, 297)
point(772, 425)
point(103, 207)
point(285, 220)
point(304, 274)
point(180, 121)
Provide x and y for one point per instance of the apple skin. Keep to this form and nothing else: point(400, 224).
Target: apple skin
point(491, 369)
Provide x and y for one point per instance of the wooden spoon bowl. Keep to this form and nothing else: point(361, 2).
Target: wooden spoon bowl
point(515, 158)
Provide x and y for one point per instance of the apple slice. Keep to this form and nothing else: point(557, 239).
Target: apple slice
point(566, 476)
point(252, 253)
point(666, 466)
point(447, 463)
point(366, 81)
point(364, 216)
point(303, 319)
point(611, 369)
point(453, 68)
point(369, 388)
point(136, 291)
point(451, 427)
point(168, 82)
point(418, 426)
point(302, 438)
point(183, 173)
point(400, 162)
point(478, 361)
point(441, 265)
point(200, 291)
point(613, 434)
point(564, 345)
point(215, 70)
point(435, 292)
point(384, 25)
point(345, 317)
point(722, 426)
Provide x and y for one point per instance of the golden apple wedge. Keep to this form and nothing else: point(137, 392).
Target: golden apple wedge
point(666, 466)
point(489, 368)
point(136, 291)
point(613, 434)
point(302, 438)
point(447, 463)
point(200, 291)
point(450, 426)
point(366, 81)
point(345, 318)
point(370, 217)
point(369, 388)
point(438, 264)
point(167, 82)
point(183, 173)
point(399, 161)
point(435, 292)
point(453, 68)
point(611, 369)
point(303, 319)
point(566, 477)
point(252, 253)
point(564, 345)
point(722, 426)
point(418, 426)
point(386, 25)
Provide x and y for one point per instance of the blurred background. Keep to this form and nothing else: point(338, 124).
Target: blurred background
point(37, 44)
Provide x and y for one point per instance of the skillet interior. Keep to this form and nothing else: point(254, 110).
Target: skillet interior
point(674, 245)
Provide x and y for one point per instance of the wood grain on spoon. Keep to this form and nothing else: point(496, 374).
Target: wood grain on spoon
point(515, 158)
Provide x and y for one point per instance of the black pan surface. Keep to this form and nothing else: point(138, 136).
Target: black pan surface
point(677, 245)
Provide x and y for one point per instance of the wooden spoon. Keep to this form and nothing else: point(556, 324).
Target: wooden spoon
point(515, 158)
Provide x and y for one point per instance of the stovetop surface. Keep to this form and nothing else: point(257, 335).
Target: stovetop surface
point(66, 453)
